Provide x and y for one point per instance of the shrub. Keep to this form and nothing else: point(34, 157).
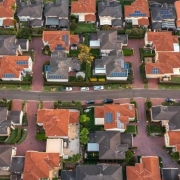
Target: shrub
point(93, 79)
point(24, 120)
point(23, 137)
point(24, 33)
point(143, 73)
point(46, 50)
point(9, 105)
point(101, 79)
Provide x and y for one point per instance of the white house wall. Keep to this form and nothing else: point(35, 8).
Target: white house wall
point(99, 121)
point(117, 78)
point(81, 16)
point(57, 80)
point(115, 129)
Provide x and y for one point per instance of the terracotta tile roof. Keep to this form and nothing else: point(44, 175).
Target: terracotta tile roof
point(125, 111)
point(163, 41)
point(165, 64)
point(143, 21)
point(83, 6)
point(55, 38)
point(178, 23)
point(147, 170)
point(177, 7)
point(56, 121)
point(174, 137)
point(175, 39)
point(38, 164)
point(5, 8)
point(8, 22)
point(138, 5)
point(178, 147)
point(90, 17)
point(8, 65)
point(74, 39)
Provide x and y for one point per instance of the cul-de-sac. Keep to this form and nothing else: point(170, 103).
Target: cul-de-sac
point(89, 89)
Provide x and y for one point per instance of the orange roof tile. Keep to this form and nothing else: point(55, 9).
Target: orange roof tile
point(178, 147)
point(143, 21)
point(6, 8)
point(137, 5)
point(8, 65)
point(56, 121)
point(177, 7)
point(165, 64)
point(38, 164)
point(74, 39)
point(178, 23)
point(147, 170)
point(174, 137)
point(57, 37)
point(8, 22)
point(83, 6)
point(125, 111)
point(163, 41)
point(90, 17)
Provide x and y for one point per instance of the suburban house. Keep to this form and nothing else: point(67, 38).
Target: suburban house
point(56, 14)
point(24, 44)
point(41, 165)
point(162, 41)
point(177, 8)
point(148, 168)
point(170, 174)
point(163, 16)
point(166, 64)
point(30, 12)
point(137, 13)
point(14, 68)
point(60, 66)
point(8, 120)
point(99, 171)
point(110, 13)
point(57, 122)
point(84, 10)
point(59, 40)
point(110, 145)
point(6, 154)
point(7, 9)
point(113, 66)
point(114, 117)
point(107, 41)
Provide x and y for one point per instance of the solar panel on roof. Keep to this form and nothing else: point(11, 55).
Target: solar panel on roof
point(21, 62)
point(108, 117)
point(54, 76)
point(8, 75)
point(119, 74)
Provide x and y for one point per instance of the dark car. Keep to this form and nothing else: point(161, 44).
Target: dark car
point(90, 102)
point(107, 101)
point(170, 100)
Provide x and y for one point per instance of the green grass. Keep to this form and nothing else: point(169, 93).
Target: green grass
point(175, 79)
point(51, 88)
point(167, 86)
point(3, 138)
point(128, 51)
point(90, 124)
point(84, 28)
point(14, 136)
point(131, 129)
point(24, 120)
point(114, 86)
point(155, 129)
point(40, 135)
point(15, 87)
point(23, 137)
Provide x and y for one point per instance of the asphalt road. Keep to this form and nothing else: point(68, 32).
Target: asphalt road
point(98, 95)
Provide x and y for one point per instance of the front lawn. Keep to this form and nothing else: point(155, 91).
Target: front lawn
point(131, 129)
point(14, 136)
point(128, 51)
point(40, 135)
point(168, 86)
point(175, 79)
point(3, 138)
point(155, 130)
point(84, 28)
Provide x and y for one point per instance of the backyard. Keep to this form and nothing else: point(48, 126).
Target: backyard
point(84, 28)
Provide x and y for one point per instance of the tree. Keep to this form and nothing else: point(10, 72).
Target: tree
point(24, 33)
point(84, 132)
point(73, 25)
point(83, 118)
point(79, 79)
point(84, 139)
point(129, 155)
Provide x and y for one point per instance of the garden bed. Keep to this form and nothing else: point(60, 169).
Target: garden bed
point(128, 51)
point(155, 130)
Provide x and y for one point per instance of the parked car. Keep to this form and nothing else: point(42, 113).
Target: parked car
point(66, 89)
point(90, 101)
point(98, 88)
point(107, 101)
point(170, 100)
point(84, 88)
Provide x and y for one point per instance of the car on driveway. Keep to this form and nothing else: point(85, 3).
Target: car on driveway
point(66, 89)
point(90, 101)
point(170, 100)
point(107, 101)
point(96, 88)
point(84, 88)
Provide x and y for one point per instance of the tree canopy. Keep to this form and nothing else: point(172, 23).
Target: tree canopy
point(84, 118)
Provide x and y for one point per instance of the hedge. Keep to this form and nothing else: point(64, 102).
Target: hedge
point(24, 120)
point(143, 73)
point(135, 37)
point(23, 137)
point(15, 82)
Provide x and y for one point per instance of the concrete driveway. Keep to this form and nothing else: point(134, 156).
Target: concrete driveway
point(39, 60)
point(150, 146)
point(31, 143)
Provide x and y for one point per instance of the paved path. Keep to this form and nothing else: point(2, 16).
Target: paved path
point(150, 146)
point(31, 143)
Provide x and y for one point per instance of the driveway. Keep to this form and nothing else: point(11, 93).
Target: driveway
point(17, 104)
point(135, 60)
point(150, 146)
point(39, 60)
point(31, 143)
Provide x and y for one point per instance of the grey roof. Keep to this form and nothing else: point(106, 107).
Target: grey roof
point(59, 64)
point(5, 156)
point(170, 173)
point(117, 22)
point(171, 113)
point(99, 172)
point(14, 116)
point(68, 175)
point(22, 43)
point(8, 45)
point(156, 25)
point(110, 144)
point(3, 113)
point(27, 9)
point(110, 8)
point(113, 63)
point(60, 8)
point(17, 164)
point(36, 22)
point(55, 21)
point(4, 125)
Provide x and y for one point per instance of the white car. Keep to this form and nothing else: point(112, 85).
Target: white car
point(96, 88)
point(66, 89)
point(85, 89)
